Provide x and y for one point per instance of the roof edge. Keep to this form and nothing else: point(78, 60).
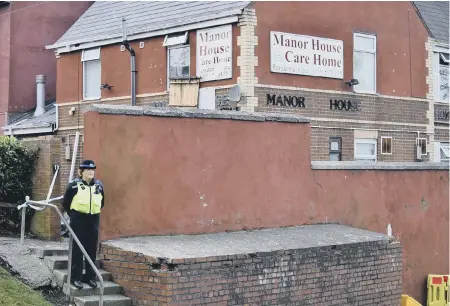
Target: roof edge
point(97, 42)
point(27, 130)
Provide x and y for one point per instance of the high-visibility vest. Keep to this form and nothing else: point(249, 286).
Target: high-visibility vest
point(88, 199)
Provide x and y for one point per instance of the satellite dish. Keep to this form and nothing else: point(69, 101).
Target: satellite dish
point(235, 93)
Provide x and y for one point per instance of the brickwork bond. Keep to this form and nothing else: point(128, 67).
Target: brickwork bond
point(367, 273)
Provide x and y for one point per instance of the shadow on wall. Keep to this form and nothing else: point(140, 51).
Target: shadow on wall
point(178, 175)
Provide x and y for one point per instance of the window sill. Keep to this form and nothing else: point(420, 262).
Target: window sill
point(90, 99)
point(388, 166)
point(443, 102)
point(372, 93)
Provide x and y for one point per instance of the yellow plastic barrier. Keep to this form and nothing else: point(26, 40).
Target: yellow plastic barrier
point(437, 295)
point(409, 301)
point(447, 293)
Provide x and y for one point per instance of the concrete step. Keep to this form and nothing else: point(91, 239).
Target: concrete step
point(60, 262)
point(61, 276)
point(42, 252)
point(109, 289)
point(108, 300)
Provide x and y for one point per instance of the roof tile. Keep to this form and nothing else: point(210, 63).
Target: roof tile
point(436, 16)
point(103, 20)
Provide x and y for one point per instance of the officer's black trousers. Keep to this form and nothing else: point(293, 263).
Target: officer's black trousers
point(85, 227)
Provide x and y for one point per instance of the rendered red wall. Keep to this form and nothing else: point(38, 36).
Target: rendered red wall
point(184, 176)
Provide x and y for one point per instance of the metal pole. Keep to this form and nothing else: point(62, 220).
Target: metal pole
point(69, 268)
point(22, 226)
point(50, 190)
point(74, 156)
point(133, 80)
point(97, 272)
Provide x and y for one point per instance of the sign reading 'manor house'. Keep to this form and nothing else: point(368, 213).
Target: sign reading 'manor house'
point(284, 100)
point(306, 55)
point(214, 50)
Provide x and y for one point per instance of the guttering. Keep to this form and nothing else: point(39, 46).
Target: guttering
point(441, 45)
point(8, 130)
point(98, 42)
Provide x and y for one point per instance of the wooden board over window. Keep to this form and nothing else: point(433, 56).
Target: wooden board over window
point(184, 92)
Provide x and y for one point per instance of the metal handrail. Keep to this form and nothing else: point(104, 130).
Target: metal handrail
point(45, 204)
point(97, 272)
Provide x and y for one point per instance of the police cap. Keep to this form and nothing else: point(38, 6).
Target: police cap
point(88, 164)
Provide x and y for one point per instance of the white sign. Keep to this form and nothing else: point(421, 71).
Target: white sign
point(214, 59)
point(306, 55)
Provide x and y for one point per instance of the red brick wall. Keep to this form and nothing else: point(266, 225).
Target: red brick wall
point(33, 26)
point(357, 274)
point(390, 21)
point(5, 53)
point(151, 64)
point(45, 224)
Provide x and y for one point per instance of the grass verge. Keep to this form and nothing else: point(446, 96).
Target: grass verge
point(14, 293)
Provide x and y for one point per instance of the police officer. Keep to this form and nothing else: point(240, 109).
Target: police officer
point(83, 201)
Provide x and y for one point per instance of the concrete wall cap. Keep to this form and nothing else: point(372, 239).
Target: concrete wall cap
point(358, 165)
point(193, 113)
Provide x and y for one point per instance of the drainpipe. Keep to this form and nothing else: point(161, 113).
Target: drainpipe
point(133, 63)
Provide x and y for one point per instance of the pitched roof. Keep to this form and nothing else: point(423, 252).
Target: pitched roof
point(103, 20)
point(435, 15)
point(28, 123)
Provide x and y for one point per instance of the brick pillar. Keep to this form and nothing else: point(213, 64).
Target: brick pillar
point(45, 224)
point(430, 97)
point(247, 61)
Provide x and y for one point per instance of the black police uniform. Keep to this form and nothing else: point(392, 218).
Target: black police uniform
point(85, 227)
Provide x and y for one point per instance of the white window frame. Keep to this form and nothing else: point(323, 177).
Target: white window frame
point(365, 157)
point(436, 68)
point(423, 139)
point(175, 39)
point(374, 37)
point(381, 145)
point(90, 55)
point(437, 151)
point(168, 60)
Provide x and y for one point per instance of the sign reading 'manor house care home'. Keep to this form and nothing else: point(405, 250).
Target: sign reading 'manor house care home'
point(214, 47)
point(306, 55)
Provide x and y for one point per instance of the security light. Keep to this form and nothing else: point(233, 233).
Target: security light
point(352, 82)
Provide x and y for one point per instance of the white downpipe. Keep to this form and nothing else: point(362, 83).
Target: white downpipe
point(74, 156)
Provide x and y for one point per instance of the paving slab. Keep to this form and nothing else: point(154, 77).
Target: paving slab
point(245, 242)
point(21, 260)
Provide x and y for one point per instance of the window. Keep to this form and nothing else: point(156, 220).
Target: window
point(422, 142)
point(443, 77)
point(336, 148)
point(178, 62)
point(175, 39)
point(444, 152)
point(91, 74)
point(364, 62)
point(441, 152)
point(365, 149)
point(386, 145)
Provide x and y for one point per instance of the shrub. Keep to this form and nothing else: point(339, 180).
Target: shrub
point(16, 169)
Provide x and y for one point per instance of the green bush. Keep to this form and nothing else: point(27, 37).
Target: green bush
point(17, 164)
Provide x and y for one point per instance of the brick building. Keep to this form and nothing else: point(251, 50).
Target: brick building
point(26, 69)
point(435, 17)
point(362, 82)
point(26, 27)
